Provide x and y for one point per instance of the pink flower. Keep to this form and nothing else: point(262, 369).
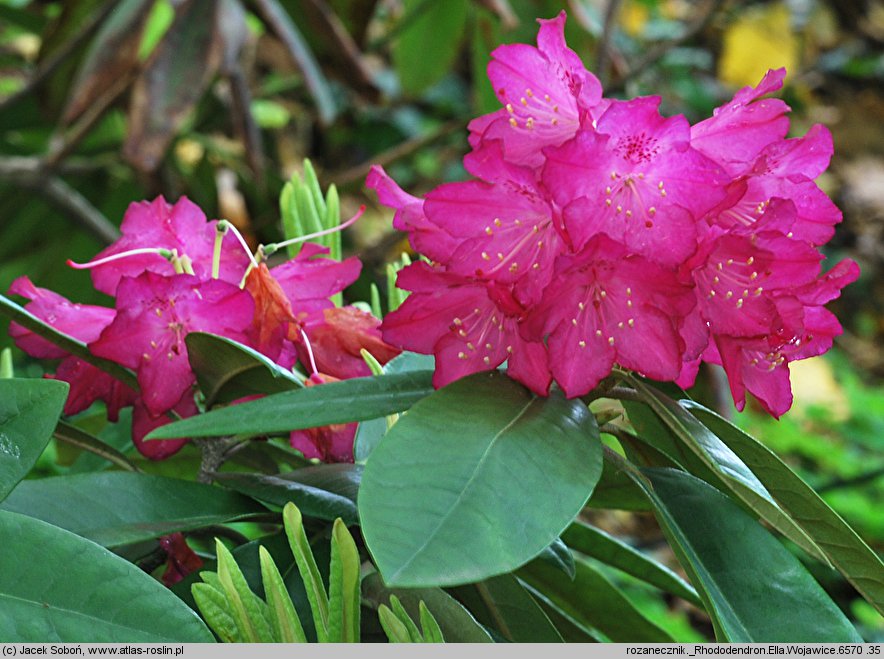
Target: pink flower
point(469, 325)
point(88, 384)
point(425, 236)
point(81, 321)
point(785, 170)
point(738, 273)
point(154, 314)
point(635, 179)
point(329, 444)
point(610, 307)
point(737, 132)
point(144, 422)
point(337, 339)
point(183, 228)
point(544, 91)
point(509, 231)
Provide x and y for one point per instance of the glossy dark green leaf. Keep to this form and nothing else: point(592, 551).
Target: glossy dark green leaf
point(731, 472)
point(58, 587)
point(67, 343)
point(593, 602)
point(116, 508)
point(443, 497)
point(227, 370)
point(612, 551)
point(506, 606)
point(456, 623)
point(616, 490)
point(428, 27)
point(754, 588)
point(74, 436)
point(324, 491)
point(337, 402)
point(368, 436)
point(844, 548)
point(29, 410)
point(558, 555)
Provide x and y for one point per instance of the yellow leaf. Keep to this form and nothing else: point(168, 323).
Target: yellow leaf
point(760, 39)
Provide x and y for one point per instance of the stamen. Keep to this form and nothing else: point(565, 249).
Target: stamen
point(309, 352)
point(167, 254)
point(242, 241)
point(271, 248)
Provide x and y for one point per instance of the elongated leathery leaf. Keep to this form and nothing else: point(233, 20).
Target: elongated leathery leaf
point(336, 402)
point(29, 410)
point(67, 343)
point(616, 553)
point(726, 465)
point(227, 370)
point(846, 550)
point(58, 587)
point(442, 500)
point(115, 508)
point(754, 589)
point(594, 602)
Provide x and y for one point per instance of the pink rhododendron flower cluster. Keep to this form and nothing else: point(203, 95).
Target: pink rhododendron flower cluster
point(599, 232)
point(167, 282)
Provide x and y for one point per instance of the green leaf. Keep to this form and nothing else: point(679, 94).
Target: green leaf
point(215, 609)
point(29, 410)
point(357, 399)
point(344, 593)
point(558, 555)
point(227, 370)
point(593, 602)
point(322, 491)
point(414, 633)
point(847, 551)
point(283, 617)
point(457, 623)
point(247, 610)
point(734, 475)
point(394, 628)
point(616, 553)
point(74, 436)
point(316, 594)
point(58, 587)
point(513, 612)
point(429, 626)
point(443, 497)
point(616, 490)
point(754, 588)
point(428, 27)
point(116, 508)
point(67, 343)
point(368, 435)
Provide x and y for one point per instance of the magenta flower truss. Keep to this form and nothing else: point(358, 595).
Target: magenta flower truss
point(161, 274)
point(598, 232)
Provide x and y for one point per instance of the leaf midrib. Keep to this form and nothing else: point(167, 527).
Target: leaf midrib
point(478, 468)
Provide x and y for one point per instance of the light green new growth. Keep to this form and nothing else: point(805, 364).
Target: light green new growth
point(400, 628)
point(237, 615)
point(6, 370)
point(304, 210)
